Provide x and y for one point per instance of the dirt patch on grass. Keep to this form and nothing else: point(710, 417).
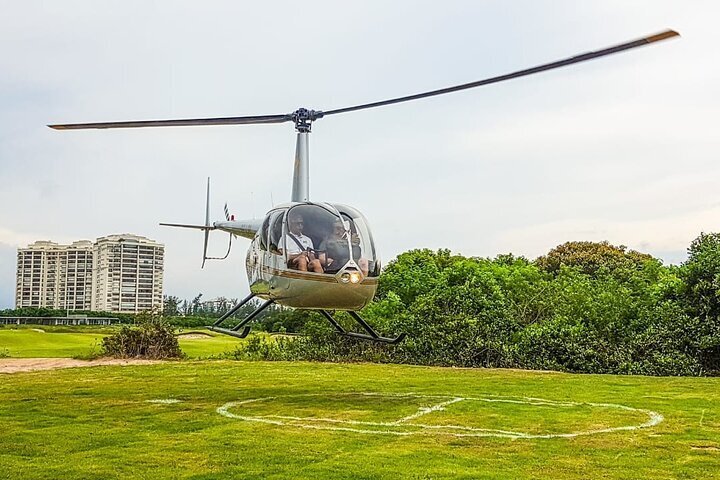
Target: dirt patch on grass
point(16, 365)
point(194, 335)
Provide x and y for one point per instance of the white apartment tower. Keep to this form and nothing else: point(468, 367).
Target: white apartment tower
point(118, 273)
point(55, 276)
point(128, 274)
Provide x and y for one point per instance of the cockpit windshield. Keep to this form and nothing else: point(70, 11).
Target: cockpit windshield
point(320, 238)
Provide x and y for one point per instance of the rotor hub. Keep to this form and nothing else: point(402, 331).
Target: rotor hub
point(303, 118)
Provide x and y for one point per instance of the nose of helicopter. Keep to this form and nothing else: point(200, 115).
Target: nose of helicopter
point(349, 275)
point(347, 290)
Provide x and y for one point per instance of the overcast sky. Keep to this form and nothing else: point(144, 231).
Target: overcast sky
point(622, 149)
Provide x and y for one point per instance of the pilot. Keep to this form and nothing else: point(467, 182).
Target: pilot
point(335, 250)
point(300, 247)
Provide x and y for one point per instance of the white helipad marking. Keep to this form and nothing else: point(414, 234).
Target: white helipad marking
point(320, 423)
point(164, 400)
point(425, 410)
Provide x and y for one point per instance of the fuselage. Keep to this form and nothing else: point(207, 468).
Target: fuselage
point(346, 282)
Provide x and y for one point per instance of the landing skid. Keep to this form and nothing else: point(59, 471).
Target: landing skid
point(371, 335)
point(234, 332)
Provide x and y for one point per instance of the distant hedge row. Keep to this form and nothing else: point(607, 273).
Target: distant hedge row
point(584, 307)
point(45, 312)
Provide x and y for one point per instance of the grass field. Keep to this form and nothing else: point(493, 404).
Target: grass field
point(306, 420)
point(223, 419)
point(84, 341)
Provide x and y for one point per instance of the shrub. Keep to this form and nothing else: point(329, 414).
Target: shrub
point(150, 337)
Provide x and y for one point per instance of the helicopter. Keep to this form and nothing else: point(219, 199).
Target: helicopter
point(317, 255)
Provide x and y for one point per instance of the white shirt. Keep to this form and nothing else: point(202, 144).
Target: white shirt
point(292, 246)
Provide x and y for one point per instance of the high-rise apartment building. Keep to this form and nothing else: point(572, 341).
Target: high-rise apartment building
point(128, 274)
point(118, 273)
point(55, 276)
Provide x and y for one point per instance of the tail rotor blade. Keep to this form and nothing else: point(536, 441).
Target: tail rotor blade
point(205, 245)
point(207, 205)
point(205, 228)
point(207, 223)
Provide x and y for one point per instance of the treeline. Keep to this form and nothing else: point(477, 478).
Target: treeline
point(189, 314)
point(50, 312)
point(584, 307)
point(176, 307)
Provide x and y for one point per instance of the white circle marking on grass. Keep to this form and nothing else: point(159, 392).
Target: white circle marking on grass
point(358, 426)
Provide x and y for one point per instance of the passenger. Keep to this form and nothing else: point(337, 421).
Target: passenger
point(300, 249)
point(357, 254)
point(335, 250)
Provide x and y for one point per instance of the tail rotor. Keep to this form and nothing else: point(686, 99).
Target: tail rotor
point(205, 228)
point(208, 227)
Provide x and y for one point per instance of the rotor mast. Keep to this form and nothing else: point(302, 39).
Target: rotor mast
point(303, 119)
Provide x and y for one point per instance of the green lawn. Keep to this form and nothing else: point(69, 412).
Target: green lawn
point(206, 346)
point(83, 341)
point(43, 341)
point(310, 420)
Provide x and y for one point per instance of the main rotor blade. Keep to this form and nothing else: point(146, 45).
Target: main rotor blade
point(179, 123)
point(521, 73)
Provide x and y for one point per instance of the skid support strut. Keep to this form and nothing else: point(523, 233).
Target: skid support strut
point(215, 327)
point(371, 335)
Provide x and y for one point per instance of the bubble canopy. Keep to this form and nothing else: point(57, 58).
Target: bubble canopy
point(338, 235)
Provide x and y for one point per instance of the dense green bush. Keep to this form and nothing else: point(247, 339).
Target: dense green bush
point(583, 307)
point(150, 337)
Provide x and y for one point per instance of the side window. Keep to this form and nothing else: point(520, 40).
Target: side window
point(264, 233)
point(276, 232)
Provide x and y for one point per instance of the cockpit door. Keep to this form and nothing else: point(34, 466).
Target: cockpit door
point(361, 240)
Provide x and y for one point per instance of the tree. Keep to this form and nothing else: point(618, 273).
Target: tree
point(589, 257)
point(701, 274)
point(414, 273)
point(195, 305)
point(171, 306)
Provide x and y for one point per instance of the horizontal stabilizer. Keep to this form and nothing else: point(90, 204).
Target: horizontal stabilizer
point(182, 225)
